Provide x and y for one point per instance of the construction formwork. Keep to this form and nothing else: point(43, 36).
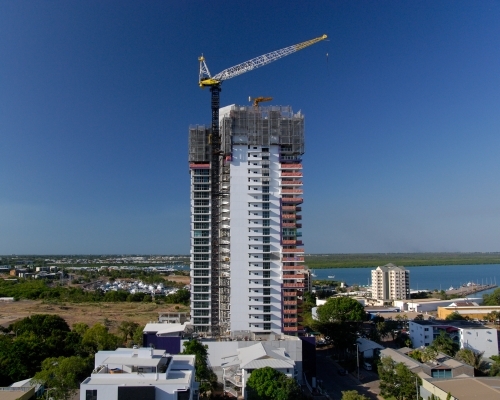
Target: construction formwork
point(199, 146)
point(263, 126)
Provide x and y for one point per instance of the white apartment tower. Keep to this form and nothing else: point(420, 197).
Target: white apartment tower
point(390, 282)
point(258, 283)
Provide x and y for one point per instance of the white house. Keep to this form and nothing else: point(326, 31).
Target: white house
point(468, 335)
point(144, 373)
point(238, 367)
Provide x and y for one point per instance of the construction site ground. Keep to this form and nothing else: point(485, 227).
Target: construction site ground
point(110, 314)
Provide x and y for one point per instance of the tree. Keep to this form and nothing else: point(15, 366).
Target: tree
point(455, 316)
point(492, 299)
point(495, 366)
point(204, 374)
point(127, 329)
point(397, 380)
point(444, 344)
point(419, 317)
point(472, 358)
point(341, 309)
point(138, 336)
point(63, 375)
point(269, 384)
point(353, 395)
point(98, 338)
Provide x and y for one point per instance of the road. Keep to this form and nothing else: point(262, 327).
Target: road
point(334, 384)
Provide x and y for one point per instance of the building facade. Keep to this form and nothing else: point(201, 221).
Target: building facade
point(390, 282)
point(258, 282)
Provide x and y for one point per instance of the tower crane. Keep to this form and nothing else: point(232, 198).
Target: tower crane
point(214, 83)
point(257, 100)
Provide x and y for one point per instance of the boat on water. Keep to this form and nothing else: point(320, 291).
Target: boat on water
point(313, 274)
point(331, 276)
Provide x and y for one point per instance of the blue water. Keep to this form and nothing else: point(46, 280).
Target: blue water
point(430, 277)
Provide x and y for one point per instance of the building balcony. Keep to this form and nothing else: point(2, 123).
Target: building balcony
point(288, 208)
point(290, 320)
point(290, 166)
point(293, 328)
point(196, 166)
point(292, 191)
point(294, 285)
point(294, 276)
point(292, 241)
point(288, 225)
point(288, 173)
point(292, 311)
point(293, 268)
point(293, 250)
point(292, 259)
point(291, 183)
point(294, 200)
point(291, 293)
point(289, 216)
point(290, 302)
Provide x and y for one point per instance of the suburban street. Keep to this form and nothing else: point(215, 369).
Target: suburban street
point(334, 384)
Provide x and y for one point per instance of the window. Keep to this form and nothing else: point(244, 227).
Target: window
point(266, 222)
point(266, 239)
point(267, 327)
point(267, 274)
point(265, 197)
point(265, 189)
point(267, 308)
point(265, 206)
point(91, 394)
point(266, 248)
point(267, 300)
point(265, 214)
point(266, 231)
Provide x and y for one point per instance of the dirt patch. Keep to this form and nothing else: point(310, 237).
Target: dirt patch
point(110, 314)
point(179, 279)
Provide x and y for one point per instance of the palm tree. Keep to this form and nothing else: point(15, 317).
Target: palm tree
point(472, 358)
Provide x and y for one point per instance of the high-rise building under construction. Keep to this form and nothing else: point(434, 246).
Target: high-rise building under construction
point(247, 263)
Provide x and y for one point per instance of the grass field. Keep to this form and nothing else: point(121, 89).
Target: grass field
point(110, 314)
point(318, 261)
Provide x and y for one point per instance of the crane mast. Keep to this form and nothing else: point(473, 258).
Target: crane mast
point(218, 282)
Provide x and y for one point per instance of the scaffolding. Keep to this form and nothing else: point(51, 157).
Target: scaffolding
point(199, 148)
point(263, 126)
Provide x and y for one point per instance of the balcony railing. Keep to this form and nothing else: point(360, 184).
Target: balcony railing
point(288, 173)
point(291, 259)
point(291, 200)
point(194, 166)
point(288, 224)
point(290, 302)
point(294, 285)
point(294, 276)
point(288, 216)
point(290, 241)
point(291, 166)
point(292, 191)
point(293, 250)
point(290, 320)
point(289, 208)
point(291, 183)
point(293, 268)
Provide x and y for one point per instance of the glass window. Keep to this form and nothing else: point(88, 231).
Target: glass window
point(91, 394)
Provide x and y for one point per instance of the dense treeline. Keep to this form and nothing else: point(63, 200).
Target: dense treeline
point(317, 261)
point(25, 344)
point(42, 290)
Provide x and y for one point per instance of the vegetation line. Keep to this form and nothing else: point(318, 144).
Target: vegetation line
point(321, 261)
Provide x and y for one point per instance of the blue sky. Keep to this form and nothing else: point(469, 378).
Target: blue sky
point(402, 118)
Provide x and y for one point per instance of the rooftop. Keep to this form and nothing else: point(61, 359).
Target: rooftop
point(455, 324)
point(470, 388)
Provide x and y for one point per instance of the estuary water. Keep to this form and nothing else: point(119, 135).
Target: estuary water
point(429, 277)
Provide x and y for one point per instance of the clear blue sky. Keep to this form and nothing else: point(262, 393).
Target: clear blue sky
point(402, 118)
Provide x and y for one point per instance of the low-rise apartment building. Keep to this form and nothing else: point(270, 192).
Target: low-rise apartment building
point(144, 373)
point(468, 335)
